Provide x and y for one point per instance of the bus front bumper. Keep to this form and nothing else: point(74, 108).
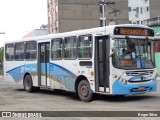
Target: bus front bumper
point(120, 88)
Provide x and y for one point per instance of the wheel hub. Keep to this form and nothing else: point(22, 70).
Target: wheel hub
point(84, 90)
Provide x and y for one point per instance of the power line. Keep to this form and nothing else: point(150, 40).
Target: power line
point(104, 3)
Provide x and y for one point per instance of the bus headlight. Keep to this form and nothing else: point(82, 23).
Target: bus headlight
point(123, 81)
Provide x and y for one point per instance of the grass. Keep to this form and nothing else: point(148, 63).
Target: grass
point(1, 72)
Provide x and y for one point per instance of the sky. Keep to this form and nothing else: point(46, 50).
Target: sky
point(19, 17)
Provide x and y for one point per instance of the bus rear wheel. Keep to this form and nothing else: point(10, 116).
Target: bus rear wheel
point(84, 91)
point(28, 84)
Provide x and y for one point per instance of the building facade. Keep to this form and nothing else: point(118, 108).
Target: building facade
point(69, 15)
point(139, 10)
point(142, 10)
point(154, 8)
point(154, 20)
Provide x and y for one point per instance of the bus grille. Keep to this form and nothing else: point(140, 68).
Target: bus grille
point(136, 73)
point(140, 90)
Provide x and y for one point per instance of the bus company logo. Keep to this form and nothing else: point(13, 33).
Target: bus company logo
point(6, 114)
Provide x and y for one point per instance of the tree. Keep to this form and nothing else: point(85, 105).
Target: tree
point(1, 56)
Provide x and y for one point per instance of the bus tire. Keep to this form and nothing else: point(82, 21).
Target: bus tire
point(28, 84)
point(84, 91)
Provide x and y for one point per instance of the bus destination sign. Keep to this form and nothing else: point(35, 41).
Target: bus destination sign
point(133, 31)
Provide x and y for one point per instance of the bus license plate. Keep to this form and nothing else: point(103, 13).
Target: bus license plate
point(142, 88)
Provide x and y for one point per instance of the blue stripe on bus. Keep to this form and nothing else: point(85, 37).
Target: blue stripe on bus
point(15, 73)
point(54, 70)
point(59, 70)
point(18, 72)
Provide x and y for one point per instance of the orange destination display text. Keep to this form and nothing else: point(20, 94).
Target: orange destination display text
point(133, 32)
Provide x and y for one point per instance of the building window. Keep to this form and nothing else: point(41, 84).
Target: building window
point(49, 13)
point(56, 49)
point(129, 9)
point(85, 47)
point(101, 23)
point(101, 8)
point(19, 51)
point(50, 1)
point(137, 10)
point(31, 50)
point(137, 22)
point(70, 47)
point(147, 9)
point(56, 9)
point(9, 52)
point(141, 10)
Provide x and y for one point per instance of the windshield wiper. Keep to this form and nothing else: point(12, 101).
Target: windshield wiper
point(130, 47)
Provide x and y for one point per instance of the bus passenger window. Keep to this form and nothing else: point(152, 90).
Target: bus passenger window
point(19, 51)
point(85, 47)
point(56, 52)
point(31, 50)
point(70, 47)
point(9, 52)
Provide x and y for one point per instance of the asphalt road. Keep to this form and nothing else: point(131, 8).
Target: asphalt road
point(14, 98)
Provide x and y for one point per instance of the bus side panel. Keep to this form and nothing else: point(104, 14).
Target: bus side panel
point(8, 66)
point(70, 73)
point(17, 71)
point(61, 77)
point(14, 72)
point(31, 68)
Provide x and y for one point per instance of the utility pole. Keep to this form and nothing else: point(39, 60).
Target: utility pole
point(103, 3)
point(115, 11)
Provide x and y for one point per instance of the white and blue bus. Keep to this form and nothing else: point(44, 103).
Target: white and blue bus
point(113, 60)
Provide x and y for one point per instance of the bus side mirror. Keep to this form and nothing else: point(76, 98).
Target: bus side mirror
point(113, 51)
point(112, 46)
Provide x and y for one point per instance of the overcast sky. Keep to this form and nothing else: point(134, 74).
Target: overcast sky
point(19, 17)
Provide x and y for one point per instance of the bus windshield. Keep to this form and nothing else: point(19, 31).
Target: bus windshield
point(132, 54)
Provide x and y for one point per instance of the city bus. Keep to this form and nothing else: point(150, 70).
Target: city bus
point(111, 60)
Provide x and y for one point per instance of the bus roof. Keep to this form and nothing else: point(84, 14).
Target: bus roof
point(107, 29)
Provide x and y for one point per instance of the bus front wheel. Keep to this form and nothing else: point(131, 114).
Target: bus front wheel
point(84, 91)
point(28, 84)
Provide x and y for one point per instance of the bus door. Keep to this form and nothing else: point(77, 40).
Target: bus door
point(43, 63)
point(156, 56)
point(102, 47)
